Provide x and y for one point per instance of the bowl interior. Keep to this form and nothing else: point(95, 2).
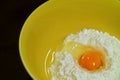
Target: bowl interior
point(50, 23)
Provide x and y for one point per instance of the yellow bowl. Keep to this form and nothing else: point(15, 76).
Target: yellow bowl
point(50, 23)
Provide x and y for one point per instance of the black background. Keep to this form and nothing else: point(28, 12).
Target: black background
point(13, 14)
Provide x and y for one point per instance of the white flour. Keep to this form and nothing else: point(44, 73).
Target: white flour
point(64, 66)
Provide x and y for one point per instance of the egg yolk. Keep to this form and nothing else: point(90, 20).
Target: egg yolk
point(90, 60)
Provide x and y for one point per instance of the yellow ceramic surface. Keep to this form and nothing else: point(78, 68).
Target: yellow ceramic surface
point(50, 23)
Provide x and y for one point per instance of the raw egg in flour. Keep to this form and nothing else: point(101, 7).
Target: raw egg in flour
point(86, 56)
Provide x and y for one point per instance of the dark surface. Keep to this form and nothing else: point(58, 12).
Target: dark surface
point(13, 14)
